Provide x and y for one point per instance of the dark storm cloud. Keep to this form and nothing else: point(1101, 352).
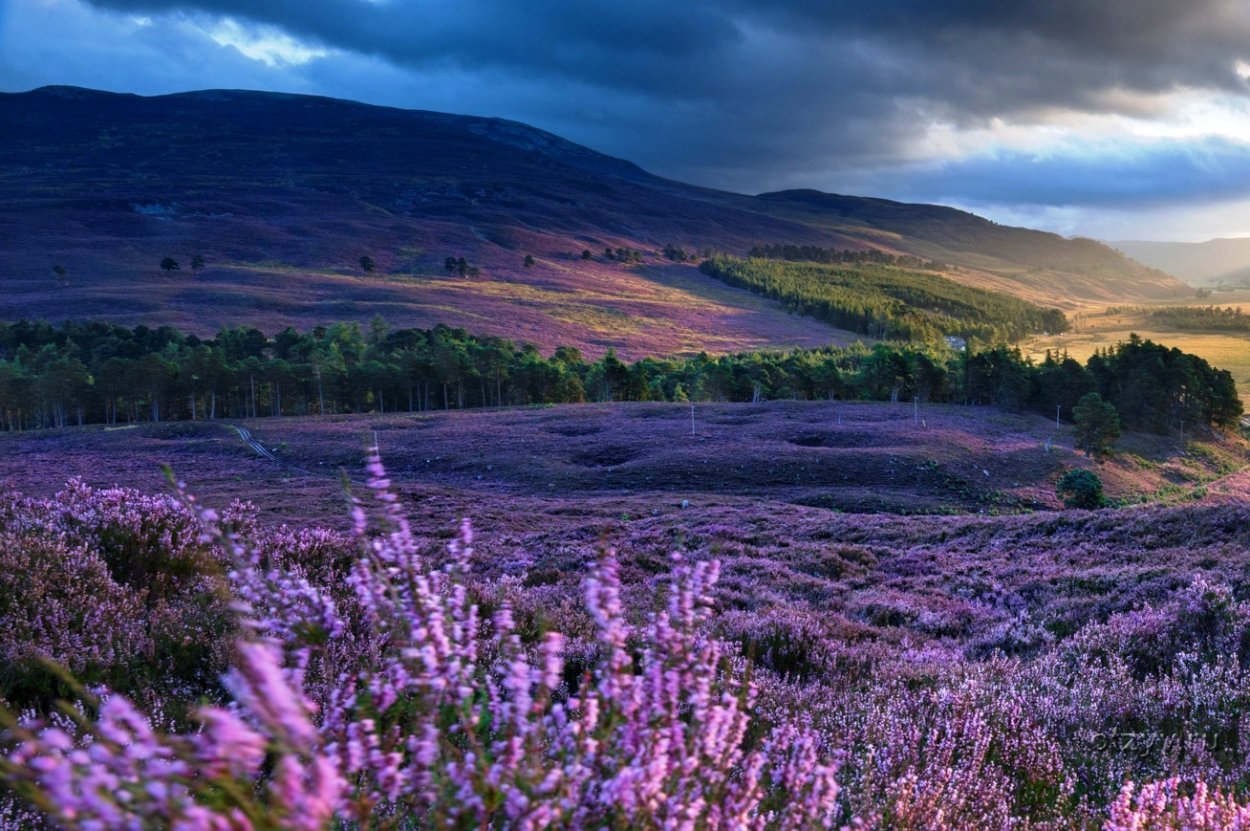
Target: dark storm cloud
point(982, 55)
point(635, 45)
point(759, 93)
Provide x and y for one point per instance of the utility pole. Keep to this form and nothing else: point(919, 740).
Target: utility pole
point(915, 410)
point(692, 418)
point(1057, 406)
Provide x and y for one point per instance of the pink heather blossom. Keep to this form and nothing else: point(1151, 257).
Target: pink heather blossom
point(1167, 805)
point(434, 712)
point(227, 746)
point(864, 672)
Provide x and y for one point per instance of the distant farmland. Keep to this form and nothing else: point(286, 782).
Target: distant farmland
point(1096, 329)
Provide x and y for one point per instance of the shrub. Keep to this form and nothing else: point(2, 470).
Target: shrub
point(58, 601)
point(1080, 488)
point(114, 585)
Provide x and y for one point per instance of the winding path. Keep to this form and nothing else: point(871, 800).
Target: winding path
point(264, 452)
point(260, 449)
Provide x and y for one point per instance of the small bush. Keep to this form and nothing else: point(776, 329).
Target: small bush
point(1081, 488)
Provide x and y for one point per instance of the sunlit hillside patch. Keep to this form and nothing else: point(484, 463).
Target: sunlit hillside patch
point(1102, 327)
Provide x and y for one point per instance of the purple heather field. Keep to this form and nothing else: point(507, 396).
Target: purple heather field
point(790, 615)
point(635, 416)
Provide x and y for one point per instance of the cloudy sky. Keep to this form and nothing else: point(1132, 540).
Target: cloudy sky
point(1120, 119)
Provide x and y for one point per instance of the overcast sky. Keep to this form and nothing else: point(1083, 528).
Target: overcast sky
point(1119, 119)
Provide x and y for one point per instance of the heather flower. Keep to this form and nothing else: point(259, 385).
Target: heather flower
point(442, 713)
point(1169, 806)
point(902, 680)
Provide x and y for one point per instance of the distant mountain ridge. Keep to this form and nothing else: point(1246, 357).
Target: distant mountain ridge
point(285, 195)
point(1210, 262)
point(955, 232)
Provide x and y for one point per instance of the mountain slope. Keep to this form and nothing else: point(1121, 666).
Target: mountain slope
point(1213, 261)
point(283, 195)
point(1034, 264)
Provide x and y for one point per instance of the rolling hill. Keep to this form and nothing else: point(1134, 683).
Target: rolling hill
point(1033, 264)
point(283, 195)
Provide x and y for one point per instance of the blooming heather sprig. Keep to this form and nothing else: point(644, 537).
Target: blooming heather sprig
point(1168, 806)
point(122, 773)
point(449, 718)
point(660, 743)
point(275, 599)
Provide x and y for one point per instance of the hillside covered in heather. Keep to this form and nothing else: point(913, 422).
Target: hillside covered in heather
point(283, 209)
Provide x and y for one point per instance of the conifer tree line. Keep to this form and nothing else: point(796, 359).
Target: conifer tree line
point(881, 300)
point(81, 373)
point(1202, 318)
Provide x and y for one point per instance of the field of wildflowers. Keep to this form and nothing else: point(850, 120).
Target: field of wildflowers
point(734, 663)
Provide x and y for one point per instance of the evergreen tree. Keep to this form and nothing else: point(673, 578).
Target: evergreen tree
point(1097, 425)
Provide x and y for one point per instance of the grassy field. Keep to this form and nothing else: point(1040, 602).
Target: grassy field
point(1100, 327)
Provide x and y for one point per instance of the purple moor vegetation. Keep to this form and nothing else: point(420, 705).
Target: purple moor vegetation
point(243, 677)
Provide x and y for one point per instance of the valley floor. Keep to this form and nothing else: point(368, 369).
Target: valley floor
point(929, 501)
point(1102, 327)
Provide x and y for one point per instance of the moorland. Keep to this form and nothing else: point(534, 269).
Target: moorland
point(963, 647)
point(767, 523)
